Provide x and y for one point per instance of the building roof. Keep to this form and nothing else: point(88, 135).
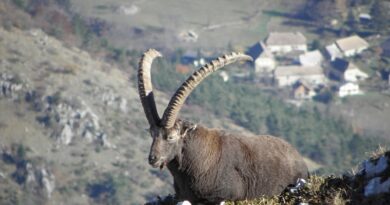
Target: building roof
point(311, 58)
point(303, 83)
point(333, 51)
point(351, 43)
point(343, 65)
point(386, 45)
point(285, 38)
point(259, 50)
point(298, 70)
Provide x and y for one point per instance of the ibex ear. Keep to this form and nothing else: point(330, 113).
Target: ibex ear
point(187, 127)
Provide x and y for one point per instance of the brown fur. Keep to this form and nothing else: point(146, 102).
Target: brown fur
point(212, 166)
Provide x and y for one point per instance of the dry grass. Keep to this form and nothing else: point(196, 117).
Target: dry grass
point(378, 152)
point(318, 190)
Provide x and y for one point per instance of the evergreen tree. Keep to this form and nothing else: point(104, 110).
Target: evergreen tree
point(380, 13)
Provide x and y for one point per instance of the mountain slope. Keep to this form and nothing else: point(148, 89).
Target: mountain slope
point(72, 129)
point(74, 116)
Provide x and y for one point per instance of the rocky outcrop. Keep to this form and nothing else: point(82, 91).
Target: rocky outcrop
point(32, 175)
point(69, 122)
point(111, 100)
point(10, 87)
point(37, 178)
point(376, 175)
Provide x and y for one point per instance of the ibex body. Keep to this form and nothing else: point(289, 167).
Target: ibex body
point(210, 165)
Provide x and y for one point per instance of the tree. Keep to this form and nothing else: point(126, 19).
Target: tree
point(324, 11)
point(381, 15)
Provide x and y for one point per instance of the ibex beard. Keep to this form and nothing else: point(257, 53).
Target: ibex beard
point(210, 165)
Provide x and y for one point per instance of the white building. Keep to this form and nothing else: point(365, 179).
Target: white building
point(288, 75)
point(264, 61)
point(352, 45)
point(284, 42)
point(333, 52)
point(347, 71)
point(312, 58)
point(349, 89)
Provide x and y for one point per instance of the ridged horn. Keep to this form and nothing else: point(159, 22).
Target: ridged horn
point(145, 87)
point(177, 101)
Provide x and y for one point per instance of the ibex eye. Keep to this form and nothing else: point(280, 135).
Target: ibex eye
point(171, 138)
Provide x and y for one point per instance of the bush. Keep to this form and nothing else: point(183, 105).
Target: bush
point(20, 3)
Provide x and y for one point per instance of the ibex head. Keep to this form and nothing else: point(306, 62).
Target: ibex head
point(168, 132)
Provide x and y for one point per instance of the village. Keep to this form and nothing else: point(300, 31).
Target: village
point(284, 61)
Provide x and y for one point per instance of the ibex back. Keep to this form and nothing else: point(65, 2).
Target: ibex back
point(210, 165)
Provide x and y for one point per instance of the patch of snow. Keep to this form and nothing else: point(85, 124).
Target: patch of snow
point(375, 186)
point(298, 185)
point(372, 169)
point(184, 203)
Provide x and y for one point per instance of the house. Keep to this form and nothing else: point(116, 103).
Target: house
point(183, 69)
point(352, 45)
point(189, 57)
point(224, 75)
point(284, 42)
point(197, 58)
point(349, 89)
point(312, 58)
point(386, 48)
point(333, 52)
point(365, 18)
point(264, 62)
point(346, 71)
point(303, 91)
point(289, 75)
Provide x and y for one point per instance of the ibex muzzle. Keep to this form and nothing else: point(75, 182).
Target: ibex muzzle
point(210, 165)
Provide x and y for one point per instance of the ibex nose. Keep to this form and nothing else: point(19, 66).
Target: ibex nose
point(152, 159)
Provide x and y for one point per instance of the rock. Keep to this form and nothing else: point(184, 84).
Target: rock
point(10, 86)
point(298, 185)
point(376, 186)
point(30, 174)
point(88, 136)
point(128, 10)
point(104, 141)
point(66, 135)
point(371, 169)
point(35, 178)
point(47, 180)
point(70, 121)
point(123, 105)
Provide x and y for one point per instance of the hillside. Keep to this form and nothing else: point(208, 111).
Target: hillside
point(71, 115)
point(77, 119)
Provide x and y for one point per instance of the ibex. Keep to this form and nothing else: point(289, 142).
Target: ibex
point(210, 165)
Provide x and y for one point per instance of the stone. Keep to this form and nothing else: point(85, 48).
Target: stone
point(66, 135)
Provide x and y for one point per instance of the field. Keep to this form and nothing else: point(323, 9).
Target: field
point(158, 23)
point(368, 113)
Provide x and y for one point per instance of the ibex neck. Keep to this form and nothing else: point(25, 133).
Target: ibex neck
point(201, 150)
